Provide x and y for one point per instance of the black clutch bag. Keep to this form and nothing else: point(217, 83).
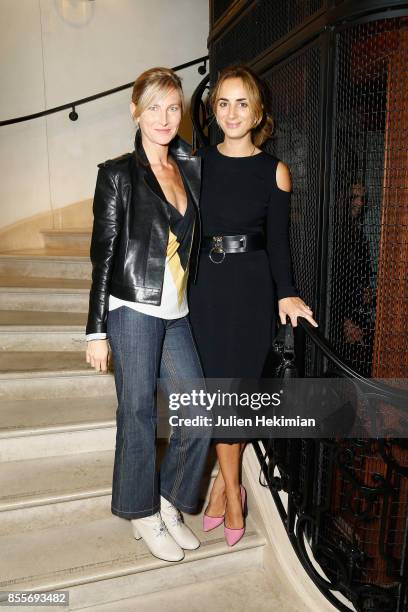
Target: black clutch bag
point(281, 360)
point(280, 365)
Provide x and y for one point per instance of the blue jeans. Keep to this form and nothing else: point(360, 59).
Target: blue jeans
point(144, 348)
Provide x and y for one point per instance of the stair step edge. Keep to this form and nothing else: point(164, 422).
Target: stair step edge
point(40, 290)
point(211, 550)
point(26, 374)
point(39, 431)
point(35, 502)
point(67, 230)
point(42, 328)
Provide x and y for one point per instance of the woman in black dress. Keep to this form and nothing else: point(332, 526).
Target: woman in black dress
point(244, 205)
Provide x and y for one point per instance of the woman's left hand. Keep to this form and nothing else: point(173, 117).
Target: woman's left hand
point(294, 307)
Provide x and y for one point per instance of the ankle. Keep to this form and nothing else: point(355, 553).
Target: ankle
point(233, 492)
point(217, 493)
point(218, 486)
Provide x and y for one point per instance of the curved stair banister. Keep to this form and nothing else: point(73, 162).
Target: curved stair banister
point(199, 114)
point(73, 115)
point(387, 391)
point(307, 509)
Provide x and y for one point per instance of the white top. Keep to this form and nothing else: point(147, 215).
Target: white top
point(174, 299)
point(174, 295)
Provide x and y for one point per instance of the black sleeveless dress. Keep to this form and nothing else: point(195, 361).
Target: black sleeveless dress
point(233, 304)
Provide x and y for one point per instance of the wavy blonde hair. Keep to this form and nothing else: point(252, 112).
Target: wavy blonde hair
point(153, 82)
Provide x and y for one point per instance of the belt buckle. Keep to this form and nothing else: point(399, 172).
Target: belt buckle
point(217, 248)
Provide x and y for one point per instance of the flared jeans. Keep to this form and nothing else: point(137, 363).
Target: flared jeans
point(145, 348)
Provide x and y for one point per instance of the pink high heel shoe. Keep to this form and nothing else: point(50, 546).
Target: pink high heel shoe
point(232, 536)
point(211, 522)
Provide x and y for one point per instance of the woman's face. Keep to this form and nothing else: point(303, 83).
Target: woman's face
point(159, 122)
point(232, 109)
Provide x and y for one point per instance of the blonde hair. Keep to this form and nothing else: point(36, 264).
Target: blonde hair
point(257, 97)
point(153, 82)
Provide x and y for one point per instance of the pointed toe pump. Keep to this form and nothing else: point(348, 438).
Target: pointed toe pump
point(211, 522)
point(232, 536)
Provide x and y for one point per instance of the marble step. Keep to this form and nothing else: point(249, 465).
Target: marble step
point(44, 294)
point(99, 560)
point(34, 428)
point(48, 263)
point(220, 594)
point(68, 239)
point(48, 415)
point(42, 331)
point(35, 375)
point(26, 363)
point(53, 491)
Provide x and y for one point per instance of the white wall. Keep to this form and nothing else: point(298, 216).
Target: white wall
point(54, 51)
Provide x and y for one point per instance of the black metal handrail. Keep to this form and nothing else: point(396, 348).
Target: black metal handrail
point(73, 115)
point(295, 533)
point(301, 503)
point(328, 351)
point(198, 113)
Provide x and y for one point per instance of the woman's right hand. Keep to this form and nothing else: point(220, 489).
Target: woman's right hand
point(97, 354)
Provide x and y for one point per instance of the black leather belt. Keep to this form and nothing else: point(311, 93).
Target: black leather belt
point(218, 246)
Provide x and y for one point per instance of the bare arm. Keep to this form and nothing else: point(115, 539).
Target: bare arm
point(290, 305)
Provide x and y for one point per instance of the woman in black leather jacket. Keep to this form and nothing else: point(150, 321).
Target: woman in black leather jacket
point(145, 234)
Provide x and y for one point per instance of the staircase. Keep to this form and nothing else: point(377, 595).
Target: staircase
point(57, 438)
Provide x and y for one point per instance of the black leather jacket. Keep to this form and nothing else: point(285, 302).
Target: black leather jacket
point(131, 229)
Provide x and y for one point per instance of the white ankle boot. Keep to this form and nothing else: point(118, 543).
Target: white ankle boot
point(174, 523)
point(157, 538)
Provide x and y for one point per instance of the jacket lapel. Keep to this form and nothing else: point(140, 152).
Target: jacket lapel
point(189, 166)
point(148, 175)
point(153, 183)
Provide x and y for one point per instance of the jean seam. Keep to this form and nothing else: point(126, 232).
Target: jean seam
point(183, 446)
point(181, 457)
point(123, 401)
point(151, 416)
point(167, 494)
point(194, 347)
point(136, 511)
point(166, 356)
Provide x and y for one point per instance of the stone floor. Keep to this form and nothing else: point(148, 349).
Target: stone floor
point(33, 361)
point(27, 317)
point(41, 282)
point(251, 592)
point(48, 252)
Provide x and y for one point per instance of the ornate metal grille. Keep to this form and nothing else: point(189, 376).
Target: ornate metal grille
point(369, 496)
point(346, 499)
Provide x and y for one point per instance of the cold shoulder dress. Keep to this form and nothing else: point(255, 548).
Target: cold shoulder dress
point(233, 304)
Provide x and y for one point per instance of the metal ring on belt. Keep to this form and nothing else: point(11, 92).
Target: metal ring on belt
point(241, 243)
